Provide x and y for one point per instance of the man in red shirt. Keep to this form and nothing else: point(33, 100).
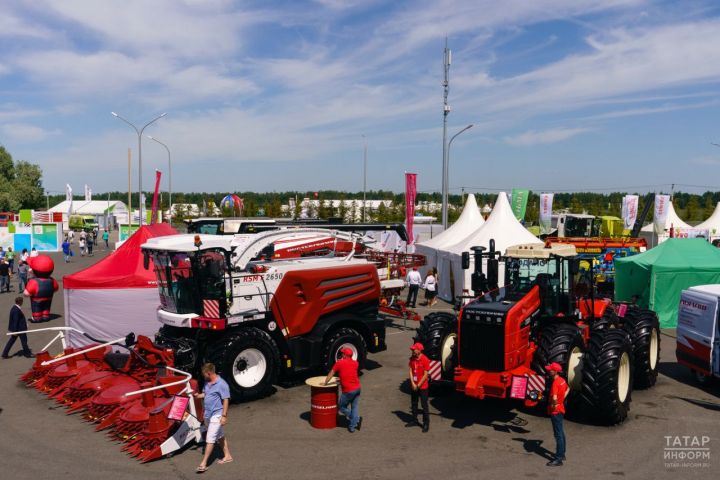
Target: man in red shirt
point(347, 370)
point(419, 386)
point(556, 409)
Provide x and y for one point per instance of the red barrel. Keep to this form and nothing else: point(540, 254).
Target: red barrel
point(323, 403)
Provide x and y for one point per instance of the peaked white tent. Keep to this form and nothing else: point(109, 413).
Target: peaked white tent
point(502, 227)
point(712, 224)
point(470, 220)
point(671, 221)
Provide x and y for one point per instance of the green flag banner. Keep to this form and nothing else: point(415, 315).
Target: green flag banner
point(519, 199)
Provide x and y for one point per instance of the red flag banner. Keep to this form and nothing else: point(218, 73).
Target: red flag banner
point(410, 194)
point(154, 214)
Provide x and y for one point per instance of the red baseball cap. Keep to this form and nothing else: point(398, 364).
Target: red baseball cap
point(553, 367)
point(417, 346)
point(346, 351)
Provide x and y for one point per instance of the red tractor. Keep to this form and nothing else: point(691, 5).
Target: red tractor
point(501, 341)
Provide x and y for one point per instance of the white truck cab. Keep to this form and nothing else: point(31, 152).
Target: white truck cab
point(698, 337)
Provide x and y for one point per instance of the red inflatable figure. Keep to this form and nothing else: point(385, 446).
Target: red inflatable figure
point(41, 288)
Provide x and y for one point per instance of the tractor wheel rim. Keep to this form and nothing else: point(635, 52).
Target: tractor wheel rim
point(574, 373)
point(255, 368)
point(623, 377)
point(351, 346)
point(653, 348)
point(447, 350)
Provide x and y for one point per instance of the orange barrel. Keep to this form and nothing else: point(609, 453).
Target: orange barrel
point(323, 402)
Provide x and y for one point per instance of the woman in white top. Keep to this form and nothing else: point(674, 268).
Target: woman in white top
point(430, 287)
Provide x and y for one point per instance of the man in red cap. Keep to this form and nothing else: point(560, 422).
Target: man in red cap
point(556, 409)
point(419, 386)
point(347, 370)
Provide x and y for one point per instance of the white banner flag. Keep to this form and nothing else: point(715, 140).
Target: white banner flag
point(88, 193)
point(662, 205)
point(630, 210)
point(546, 200)
point(143, 218)
point(68, 198)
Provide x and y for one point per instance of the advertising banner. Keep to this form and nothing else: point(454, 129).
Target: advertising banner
point(68, 198)
point(126, 231)
point(154, 212)
point(410, 194)
point(662, 205)
point(630, 210)
point(519, 200)
point(546, 201)
point(46, 237)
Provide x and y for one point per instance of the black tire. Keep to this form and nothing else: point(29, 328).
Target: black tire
point(608, 320)
point(556, 343)
point(438, 334)
point(336, 339)
point(644, 329)
point(608, 359)
point(235, 357)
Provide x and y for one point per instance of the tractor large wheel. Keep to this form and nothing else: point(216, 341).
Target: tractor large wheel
point(562, 343)
point(249, 361)
point(608, 375)
point(644, 328)
point(339, 339)
point(438, 334)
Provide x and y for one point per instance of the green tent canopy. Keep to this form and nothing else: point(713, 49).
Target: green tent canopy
point(659, 275)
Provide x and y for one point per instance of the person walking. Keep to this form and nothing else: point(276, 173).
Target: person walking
point(430, 287)
point(10, 256)
point(414, 280)
point(24, 255)
point(419, 386)
point(82, 245)
point(347, 370)
point(17, 324)
point(106, 237)
point(4, 276)
point(71, 236)
point(90, 243)
point(216, 401)
point(34, 252)
point(556, 409)
point(66, 250)
point(22, 270)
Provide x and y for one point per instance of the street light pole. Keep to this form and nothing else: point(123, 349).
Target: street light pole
point(447, 183)
point(139, 134)
point(364, 178)
point(447, 60)
point(169, 176)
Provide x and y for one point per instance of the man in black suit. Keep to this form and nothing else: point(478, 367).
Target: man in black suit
point(17, 324)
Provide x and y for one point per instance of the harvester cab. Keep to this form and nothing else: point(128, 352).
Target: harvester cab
point(546, 311)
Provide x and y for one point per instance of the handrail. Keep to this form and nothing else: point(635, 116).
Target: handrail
point(187, 379)
point(60, 334)
point(82, 352)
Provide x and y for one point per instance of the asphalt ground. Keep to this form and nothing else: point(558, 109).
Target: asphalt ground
point(272, 438)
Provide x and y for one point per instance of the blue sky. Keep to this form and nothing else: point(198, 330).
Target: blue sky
point(276, 95)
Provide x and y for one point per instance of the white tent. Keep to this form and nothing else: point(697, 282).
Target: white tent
point(502, 227)
point(672, 221)
point(712, 224)
point(470, 220)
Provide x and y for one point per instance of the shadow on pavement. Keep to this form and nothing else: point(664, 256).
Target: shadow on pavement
point(700, 403)
point(682, 374)
point(535, 446)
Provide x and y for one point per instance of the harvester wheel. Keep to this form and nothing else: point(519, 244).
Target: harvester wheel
point(644, 328)
point(438, 334)
point(249, 361)
point(343, 338)
point(608, 320)
point(562, 343)
point(608, 375)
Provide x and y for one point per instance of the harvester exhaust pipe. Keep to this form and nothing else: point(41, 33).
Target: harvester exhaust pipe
point(479, 282)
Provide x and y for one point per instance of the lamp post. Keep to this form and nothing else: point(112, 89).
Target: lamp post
point(169, 176)
point(364, 177)
point(139, 134)
point(447, 183)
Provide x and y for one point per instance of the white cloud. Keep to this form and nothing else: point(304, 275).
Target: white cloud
point(544, 137)
point(24, 132)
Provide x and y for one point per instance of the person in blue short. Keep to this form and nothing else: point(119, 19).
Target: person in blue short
point(216, 395)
